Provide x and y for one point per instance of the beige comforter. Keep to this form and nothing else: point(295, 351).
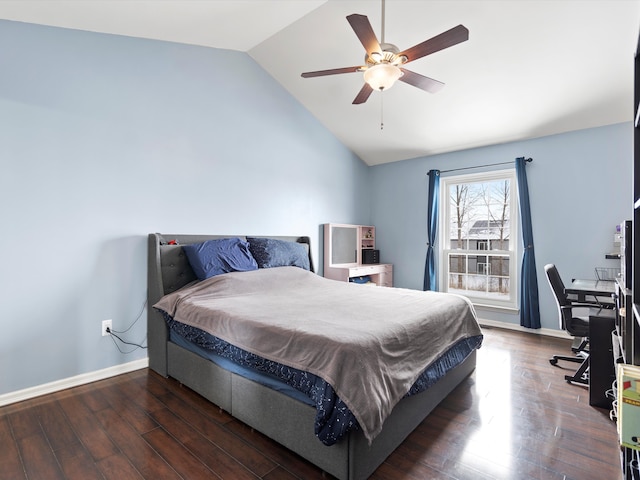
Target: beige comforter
point(369, 343)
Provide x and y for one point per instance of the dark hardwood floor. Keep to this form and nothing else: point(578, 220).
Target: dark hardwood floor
point(514, 418)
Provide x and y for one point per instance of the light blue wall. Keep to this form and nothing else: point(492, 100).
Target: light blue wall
point(104, 139)
point(579, 185)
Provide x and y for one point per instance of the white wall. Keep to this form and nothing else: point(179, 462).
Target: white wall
point(104, 139)
point(579, 186)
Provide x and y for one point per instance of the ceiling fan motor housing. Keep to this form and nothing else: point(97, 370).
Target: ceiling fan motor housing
point(389, 54)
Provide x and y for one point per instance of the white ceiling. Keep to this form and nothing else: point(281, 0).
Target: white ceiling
point(529, 68)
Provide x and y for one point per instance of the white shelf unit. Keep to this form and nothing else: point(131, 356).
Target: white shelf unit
point(356, 239)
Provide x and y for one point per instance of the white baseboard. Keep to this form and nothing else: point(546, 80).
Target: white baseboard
point(58, 385)
point(549, 332)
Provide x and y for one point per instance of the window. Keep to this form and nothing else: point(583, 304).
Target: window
point(479, 237)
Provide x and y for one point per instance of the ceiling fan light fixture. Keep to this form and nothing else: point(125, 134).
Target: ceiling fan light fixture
point(382, 76)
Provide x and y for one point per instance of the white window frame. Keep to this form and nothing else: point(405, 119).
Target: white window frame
point(515, 247)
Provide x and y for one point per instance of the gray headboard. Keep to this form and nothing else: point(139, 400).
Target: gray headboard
point(168, 270)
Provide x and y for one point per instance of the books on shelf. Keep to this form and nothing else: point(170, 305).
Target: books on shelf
point(628, 380)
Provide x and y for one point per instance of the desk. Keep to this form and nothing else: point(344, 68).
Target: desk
point(601, 326)
point(601, 360)
point(592, 288)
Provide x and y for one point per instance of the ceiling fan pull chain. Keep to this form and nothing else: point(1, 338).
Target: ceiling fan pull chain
point(381, 110)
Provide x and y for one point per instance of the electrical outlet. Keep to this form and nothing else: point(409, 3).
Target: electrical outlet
point(106, 324)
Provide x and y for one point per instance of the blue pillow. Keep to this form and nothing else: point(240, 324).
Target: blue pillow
point(270, 253)
point(224, 255)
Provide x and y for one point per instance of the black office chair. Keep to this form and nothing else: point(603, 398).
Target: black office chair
point(576, 325)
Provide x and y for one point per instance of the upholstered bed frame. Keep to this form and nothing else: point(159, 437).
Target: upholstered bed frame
point(286, 420)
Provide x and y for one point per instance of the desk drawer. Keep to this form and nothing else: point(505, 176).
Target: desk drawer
point(361, 271)
point(379, 274)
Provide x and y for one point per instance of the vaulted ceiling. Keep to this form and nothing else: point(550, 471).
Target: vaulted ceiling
point(529, 68)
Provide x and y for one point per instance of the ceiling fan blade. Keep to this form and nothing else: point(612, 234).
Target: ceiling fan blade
point(446, 39)
point(333, 71)
point(420, 81)
point(363, 94)
point(364, 31)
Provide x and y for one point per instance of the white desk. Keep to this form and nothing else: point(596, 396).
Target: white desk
point(381, 273)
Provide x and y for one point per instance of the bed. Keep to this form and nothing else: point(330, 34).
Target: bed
point(274, 411)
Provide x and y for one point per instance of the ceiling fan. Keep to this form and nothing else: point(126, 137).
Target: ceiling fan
point(384, 61)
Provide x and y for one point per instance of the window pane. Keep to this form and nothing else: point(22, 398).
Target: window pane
point(457, 283)
point(457, 263)
point(499, 265)
point(477, 228)
point(499, 286)
point(477, 283)
point(499, 281)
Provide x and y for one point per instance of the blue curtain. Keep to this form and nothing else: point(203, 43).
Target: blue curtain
point(529, 303)
point(432, 226)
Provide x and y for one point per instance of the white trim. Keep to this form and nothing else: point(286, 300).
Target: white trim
point(549, 332)
point(70, 382)
point(495, 308)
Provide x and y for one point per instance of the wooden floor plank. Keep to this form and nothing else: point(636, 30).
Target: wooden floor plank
point(220, 462)
point(130, 412)
point(87, 428)
point(118, 467)
point(226, 440)
point(38, 458)
point(25, 423)
point(55, 426)
point(276, 452)
point(279, 474)
point(141, 455)
point(9, 454)
point(76, 462)
point(177, 455)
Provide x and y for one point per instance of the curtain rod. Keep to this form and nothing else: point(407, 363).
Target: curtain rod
point(480, 166)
